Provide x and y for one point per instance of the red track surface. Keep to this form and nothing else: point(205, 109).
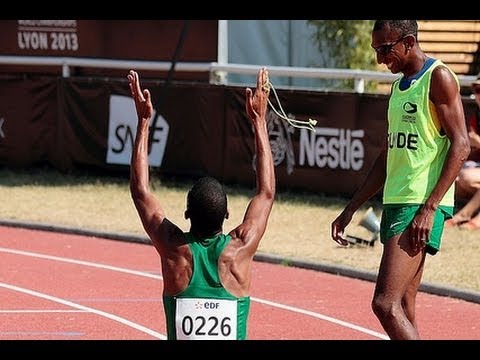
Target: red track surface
point(68, 287)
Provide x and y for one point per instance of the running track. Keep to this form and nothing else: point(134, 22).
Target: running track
point(57, 286)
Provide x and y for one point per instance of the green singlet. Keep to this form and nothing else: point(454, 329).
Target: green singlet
point(205, 310)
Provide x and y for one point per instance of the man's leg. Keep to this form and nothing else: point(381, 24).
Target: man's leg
point(398, 279)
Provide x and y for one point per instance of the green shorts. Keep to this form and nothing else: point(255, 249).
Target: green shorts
point(396, 219)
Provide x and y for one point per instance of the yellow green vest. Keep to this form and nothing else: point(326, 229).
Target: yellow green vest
point(416, 148)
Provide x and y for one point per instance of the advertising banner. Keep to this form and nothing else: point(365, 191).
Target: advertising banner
point(197, 130)
point(144, 40)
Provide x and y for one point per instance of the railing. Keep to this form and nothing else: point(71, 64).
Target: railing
point(217, 71)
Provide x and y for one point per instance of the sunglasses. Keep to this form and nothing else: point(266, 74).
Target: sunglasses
point(385, 49)
point(476, 89)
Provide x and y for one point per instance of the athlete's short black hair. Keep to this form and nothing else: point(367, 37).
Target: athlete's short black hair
point(207, 204)
point(404, 27)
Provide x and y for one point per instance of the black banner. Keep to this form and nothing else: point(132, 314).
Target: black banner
point(198, 130)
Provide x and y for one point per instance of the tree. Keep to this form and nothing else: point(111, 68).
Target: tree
point(345, 44)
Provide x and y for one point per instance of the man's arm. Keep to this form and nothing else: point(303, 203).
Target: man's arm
point(148, 207)
point(373, 182)
point(445, 95)
point(258, 210)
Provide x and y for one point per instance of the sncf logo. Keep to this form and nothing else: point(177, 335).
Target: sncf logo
point(410, 108)
point(122, 127)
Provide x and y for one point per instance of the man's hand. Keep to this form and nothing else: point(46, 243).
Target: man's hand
point(256, 104)
point(143, 102)
point(338, 228)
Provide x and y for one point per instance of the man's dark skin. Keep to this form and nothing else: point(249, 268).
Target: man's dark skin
point(403, 257)
point(235, 262)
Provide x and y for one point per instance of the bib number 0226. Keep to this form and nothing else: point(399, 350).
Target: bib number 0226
point(212, 327)
point(207, 319)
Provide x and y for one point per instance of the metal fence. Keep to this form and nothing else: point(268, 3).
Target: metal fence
point(218, 72)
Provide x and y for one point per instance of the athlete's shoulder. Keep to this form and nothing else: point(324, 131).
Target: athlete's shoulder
point(443, 75)
point(437, 64)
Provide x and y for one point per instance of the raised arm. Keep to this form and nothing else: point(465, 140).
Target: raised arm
point(258, 210)
point(148, 207)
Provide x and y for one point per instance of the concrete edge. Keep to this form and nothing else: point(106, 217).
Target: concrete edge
point(431, 288)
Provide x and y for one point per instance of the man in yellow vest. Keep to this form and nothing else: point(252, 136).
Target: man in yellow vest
point(425, 149)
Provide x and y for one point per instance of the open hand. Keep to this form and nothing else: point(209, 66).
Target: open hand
point(143, 102)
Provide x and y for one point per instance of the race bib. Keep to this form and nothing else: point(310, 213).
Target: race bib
point(206, 319)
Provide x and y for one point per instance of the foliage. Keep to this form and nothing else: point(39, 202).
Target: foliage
point(345, 44)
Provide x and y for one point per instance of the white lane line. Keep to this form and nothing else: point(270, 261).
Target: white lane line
point(41, 333)
point(80, 262)
point(86, 308)
point(324, 317)
point(159, 277)
point(26, 311)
